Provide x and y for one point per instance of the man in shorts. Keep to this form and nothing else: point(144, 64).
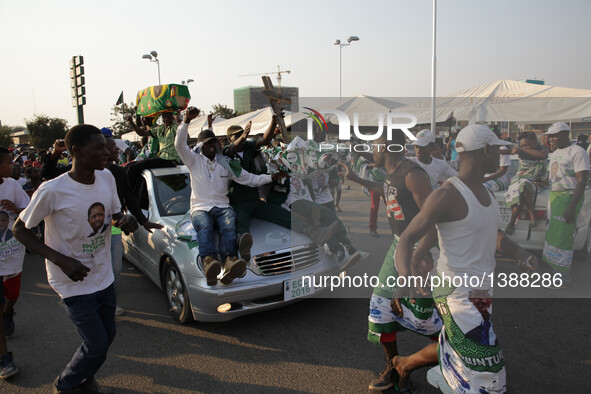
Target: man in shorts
point(470, 357)
point(405, 188)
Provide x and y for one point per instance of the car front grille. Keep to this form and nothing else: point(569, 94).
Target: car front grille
point(287, 260)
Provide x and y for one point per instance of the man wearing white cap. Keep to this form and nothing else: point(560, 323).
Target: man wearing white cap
point(437, 169)
point(568, 171)
point(470, 359)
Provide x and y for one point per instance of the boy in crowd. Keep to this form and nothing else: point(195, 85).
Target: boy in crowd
point(13, 199)
point(532, 168)
point(78, 265)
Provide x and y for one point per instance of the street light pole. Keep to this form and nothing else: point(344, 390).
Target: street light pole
point(434, 71)
point(153, 57)
point(338, 42)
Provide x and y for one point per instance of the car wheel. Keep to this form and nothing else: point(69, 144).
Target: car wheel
point(175, 292)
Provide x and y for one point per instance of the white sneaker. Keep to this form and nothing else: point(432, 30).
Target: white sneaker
point(436, 379)
point(119, 311)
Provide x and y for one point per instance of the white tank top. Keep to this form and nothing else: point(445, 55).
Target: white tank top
point(468, 245)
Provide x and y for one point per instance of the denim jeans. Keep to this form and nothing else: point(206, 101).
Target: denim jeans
point(205, 223)
point(94, 317)
point(116, 256)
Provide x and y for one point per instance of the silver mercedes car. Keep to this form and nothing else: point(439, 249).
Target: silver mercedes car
point(280, 258)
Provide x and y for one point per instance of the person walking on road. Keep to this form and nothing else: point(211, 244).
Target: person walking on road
point(78, 265)
point(470, 358)
point(405, 188)
point(569, 169)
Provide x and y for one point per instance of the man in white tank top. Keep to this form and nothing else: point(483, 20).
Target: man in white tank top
point(470, 358)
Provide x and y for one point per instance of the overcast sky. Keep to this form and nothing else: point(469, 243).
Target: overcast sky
point(215, 42)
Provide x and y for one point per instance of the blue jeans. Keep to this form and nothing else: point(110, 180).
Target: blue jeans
point(94, 317)
point(205, 223)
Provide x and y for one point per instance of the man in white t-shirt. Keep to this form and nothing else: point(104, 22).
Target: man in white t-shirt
point(568, 172)
point(13, 199)
point(438, 170)
point(78, 264)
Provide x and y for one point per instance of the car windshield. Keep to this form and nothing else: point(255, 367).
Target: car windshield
point(173, 194)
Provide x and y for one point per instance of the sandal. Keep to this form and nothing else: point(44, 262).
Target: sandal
point(533, 224)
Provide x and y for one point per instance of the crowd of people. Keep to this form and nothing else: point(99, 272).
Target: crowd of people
point(70, 211)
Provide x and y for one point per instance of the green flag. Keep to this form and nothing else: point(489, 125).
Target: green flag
point(120, 99)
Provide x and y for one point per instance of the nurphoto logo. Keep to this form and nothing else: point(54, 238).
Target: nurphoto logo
point(392, 120)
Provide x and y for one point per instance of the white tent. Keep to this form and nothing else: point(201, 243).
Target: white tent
point(200, 123)
point(195, 127)
point(507, 100)
point(367, 107)
point(261, 119)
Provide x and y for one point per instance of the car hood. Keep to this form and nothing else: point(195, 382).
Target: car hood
point(266, 236)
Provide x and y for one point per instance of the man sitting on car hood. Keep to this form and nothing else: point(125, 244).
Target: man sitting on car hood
point(210, 177)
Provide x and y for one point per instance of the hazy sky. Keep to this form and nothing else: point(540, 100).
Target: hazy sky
point(215, 42)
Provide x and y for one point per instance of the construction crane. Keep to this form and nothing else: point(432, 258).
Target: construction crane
point(278, 72)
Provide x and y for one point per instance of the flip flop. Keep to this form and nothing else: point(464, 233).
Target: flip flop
point(533, 224)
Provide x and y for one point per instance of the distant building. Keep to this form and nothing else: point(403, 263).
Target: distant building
point(251, 98)
point(534, 81)
point(20, 137)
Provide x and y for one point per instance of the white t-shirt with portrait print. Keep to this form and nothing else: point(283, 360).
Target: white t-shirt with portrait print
point(322, 194)
point(12, 252)
point(564, 163)
point(65, 205)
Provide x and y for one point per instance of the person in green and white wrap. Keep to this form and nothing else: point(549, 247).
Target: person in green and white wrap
point(470, 357)
point(568, 172)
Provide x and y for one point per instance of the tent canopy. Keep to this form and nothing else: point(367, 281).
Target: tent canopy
point(507, 100)
point(261, 119)
point(367, 107)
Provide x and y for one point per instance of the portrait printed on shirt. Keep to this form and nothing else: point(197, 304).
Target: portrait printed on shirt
point(320, 184)
point(96, 221)
point(9, 246)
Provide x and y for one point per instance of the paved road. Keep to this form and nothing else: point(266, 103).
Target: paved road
point(314, 346)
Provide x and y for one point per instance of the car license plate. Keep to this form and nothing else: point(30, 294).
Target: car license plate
point(298, 287)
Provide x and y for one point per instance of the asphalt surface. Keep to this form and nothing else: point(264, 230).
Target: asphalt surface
point(313, 346)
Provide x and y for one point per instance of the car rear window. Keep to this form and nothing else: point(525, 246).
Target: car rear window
point(173, 194)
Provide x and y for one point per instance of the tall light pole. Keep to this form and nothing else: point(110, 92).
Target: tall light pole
point(433, 71)
point(338, 42)
point(153, 57)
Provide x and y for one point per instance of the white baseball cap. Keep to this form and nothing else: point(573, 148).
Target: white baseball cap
point(424, 138)
point(557, 128)
point(477, 136)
